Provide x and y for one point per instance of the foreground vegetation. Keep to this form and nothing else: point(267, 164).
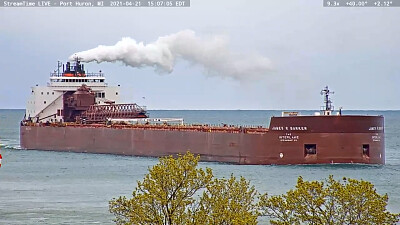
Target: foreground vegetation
point(176, 191)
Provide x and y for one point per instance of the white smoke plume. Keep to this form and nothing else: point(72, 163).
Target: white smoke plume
point(211, 53)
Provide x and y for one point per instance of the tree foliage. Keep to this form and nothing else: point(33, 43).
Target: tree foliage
point(228, 201)
point(335, 202)
point(175, 191)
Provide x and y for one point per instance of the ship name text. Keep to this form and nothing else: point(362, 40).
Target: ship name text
point(297, 128)
point(375, 128)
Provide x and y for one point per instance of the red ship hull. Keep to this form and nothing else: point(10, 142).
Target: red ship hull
point(332, 139)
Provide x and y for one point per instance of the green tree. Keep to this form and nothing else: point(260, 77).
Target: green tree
point(165, 196)
point(348, 201)
point(175, 191)
point(228, 201)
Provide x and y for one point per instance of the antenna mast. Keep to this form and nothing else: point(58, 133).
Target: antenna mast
point(59, 65)
point(328, 108)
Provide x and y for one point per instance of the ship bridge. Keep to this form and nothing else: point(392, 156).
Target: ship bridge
point(73, 75)
point(46, 102)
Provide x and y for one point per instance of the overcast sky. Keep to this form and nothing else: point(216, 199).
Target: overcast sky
point(355, 51)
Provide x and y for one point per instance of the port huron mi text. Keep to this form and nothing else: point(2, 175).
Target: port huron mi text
point(47, 4)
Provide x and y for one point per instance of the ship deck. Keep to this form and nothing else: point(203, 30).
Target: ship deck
point(167, 127)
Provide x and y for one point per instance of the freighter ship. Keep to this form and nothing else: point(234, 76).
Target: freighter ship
point(79, 112)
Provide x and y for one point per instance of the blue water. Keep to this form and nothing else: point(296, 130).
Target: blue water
point(40, 187)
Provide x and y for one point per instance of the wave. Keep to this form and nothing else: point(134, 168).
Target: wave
point(9, 145)
point(12, 147)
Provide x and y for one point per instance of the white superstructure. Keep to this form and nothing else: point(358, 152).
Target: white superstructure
point(46, 102)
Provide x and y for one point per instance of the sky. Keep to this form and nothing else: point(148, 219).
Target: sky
point(355, 51)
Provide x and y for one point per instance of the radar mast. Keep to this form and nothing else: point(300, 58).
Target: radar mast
point(328, 108)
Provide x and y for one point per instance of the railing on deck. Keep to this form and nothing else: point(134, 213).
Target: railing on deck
point(100, 113)
point(86, 75)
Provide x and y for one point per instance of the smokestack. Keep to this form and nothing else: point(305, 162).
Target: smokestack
point(211, 53)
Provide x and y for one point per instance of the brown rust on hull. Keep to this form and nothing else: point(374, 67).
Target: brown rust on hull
point(288, 140)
